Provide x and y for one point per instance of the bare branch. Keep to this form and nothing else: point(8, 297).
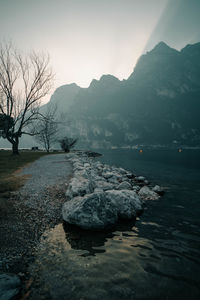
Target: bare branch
point(24, 81)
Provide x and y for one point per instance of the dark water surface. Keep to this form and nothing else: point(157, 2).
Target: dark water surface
point(155, 258)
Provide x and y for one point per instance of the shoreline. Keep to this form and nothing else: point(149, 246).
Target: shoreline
point(26, 224)
point(99, 195)
point(26, 221)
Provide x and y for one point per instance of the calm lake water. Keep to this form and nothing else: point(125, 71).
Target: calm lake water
point(155, 258)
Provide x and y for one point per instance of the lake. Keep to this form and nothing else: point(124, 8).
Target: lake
point(156, 257)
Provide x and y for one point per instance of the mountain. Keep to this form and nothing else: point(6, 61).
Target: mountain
point(64, 96)
point(157, 105)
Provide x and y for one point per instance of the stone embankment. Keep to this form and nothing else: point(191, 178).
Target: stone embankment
point(99, 195)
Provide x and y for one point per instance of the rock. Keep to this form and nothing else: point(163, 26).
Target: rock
point(101, 194)
point(140, 178)
point(158, 190)
point(92, 211)
point(77, 166)
point(113, 180)
point(130, 175)
point(98, 190)
point(107, 175)
point(86, 165)
point(82, 173)
point(124, 186)
point(127, 202)
point(146, 194)
point(79, 186)
point(122, 171)
point(96, 178)
point(101, 209)
point(104, 185)
point(136, 188)
point(98, 165)
point(9, 286)
point(106, 168)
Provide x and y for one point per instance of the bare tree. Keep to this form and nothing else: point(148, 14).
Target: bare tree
point(67, 143)
point(24, 81)
point(47, 127)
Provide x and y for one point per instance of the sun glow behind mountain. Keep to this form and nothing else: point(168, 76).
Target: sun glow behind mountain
point(86, 39)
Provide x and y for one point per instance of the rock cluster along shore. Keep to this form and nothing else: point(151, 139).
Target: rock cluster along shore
point(99, 195)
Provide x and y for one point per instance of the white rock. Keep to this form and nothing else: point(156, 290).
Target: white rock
point(77, 165)
point(98, 165)
point(107, 175)
point(104, 185)
point(158, 189)
point(127, 202)
point(124, 186)
point(114, 181)
point(86, 165)
point(98, 190)
point(140, 178)
point(136, 188)
point(79, 186)
point(101, 209)
point(83, 173)
point(92, 211)
point(146, 194)
point(129, 175)
point(122, 171)
point(117, 175)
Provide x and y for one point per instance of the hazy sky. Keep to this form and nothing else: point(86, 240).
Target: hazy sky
point(178, 25)
point(88, 38)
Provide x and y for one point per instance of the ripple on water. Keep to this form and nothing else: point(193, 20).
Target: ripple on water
point(120, 264)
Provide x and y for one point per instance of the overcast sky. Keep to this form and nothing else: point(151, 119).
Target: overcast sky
point(88, 38)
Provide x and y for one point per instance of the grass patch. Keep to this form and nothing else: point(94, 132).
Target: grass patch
point(9, 165)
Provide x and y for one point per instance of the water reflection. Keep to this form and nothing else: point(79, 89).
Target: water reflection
point(94, 242)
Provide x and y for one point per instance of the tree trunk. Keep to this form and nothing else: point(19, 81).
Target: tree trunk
point(15, 145)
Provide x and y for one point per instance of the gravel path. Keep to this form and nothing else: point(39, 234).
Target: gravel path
point(35, 208)
point(48, 172)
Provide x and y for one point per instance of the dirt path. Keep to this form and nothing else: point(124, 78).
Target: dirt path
point(35, 208)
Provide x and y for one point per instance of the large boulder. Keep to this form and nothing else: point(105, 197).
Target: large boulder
point(146, 194)
point(92, 211)
point(9, 286)
point(101, 209)
point(127, 202)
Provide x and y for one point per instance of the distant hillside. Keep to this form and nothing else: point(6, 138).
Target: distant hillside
point(64, 96)
point(158, 105)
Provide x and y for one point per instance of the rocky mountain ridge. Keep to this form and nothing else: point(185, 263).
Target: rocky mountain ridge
point(157, 105)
